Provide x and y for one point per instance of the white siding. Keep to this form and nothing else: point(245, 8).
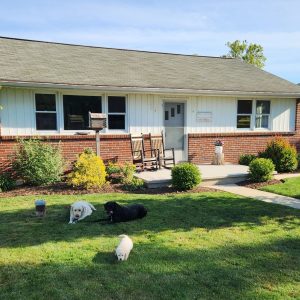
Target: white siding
point(223, 111)
point(283, 114)
point(17, 115)
point(145, 113)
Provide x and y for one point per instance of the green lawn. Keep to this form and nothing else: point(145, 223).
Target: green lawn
point(291, 188)
point(190, 246)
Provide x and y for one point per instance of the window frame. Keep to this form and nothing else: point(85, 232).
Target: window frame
point(63, 111)
point(256, 114)
point(62, 117)
point(237, 114)
point(125, 114)
point(253, 116)
point(45, 131)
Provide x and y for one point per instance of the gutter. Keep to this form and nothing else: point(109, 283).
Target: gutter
point(35, 85)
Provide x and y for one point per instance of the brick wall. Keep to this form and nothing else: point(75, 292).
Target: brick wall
point(201, 146)
point(115, 148)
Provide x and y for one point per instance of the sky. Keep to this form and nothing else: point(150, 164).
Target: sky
point(191, 27)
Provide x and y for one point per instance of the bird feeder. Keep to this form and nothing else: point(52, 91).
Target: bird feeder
point(97, 122)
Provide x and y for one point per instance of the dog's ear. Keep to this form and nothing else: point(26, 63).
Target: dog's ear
point(83, 209)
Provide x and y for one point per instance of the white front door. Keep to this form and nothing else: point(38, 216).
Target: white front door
point(174, 128)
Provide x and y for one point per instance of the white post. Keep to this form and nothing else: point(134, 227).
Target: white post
point(98, 142)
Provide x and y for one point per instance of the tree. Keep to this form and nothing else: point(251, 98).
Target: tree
point(251, 53)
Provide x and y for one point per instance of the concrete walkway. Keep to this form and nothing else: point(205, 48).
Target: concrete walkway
point(259, 195)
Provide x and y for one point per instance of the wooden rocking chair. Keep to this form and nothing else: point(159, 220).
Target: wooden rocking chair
point(166, 156)
point(139, 154)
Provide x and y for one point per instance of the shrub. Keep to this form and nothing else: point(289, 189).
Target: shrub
point(185, 176)
point(283, 155)
point(112, 168)
point(121, 172)
point(261, 169)
point(37, 162)
point(88, 172)
point(127, 171)
point(135, 184)
point(246, 159)
point(6, 182)
point(298, 160)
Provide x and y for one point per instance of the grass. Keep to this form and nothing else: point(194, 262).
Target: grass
point(190, 246)
point(291, 188)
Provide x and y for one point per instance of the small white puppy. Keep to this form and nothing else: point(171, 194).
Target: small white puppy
point(80, 210)
point(124, 247)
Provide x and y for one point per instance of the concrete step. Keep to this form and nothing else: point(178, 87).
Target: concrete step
point(154, 184)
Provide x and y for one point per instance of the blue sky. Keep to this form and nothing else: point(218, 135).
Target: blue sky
point(192, 27)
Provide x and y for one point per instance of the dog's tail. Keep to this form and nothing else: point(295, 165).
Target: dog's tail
point(92, 206)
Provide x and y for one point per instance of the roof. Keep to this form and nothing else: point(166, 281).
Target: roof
point(34, 63)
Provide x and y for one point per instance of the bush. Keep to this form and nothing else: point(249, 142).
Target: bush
point(127, 171)
point(38, 163)
point(135, 185)
point(185, 176)
point(261, 169)
point(298, 160)
point(88, 172)
point(246, 159)
point(121, 172)
point(112, 169)
point(283, 155)
point(6, 182)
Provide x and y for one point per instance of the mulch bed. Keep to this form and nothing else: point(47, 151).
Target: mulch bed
point(258, 185)
point(64, 189)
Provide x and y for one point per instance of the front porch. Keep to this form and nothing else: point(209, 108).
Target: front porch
point(211, 175)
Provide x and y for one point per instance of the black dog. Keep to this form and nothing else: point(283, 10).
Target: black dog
point(119, 213)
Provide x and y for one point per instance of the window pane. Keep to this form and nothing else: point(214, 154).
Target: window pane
point(46, 121)
point(172, 112)
point(262, 107)
point(262, 121)
point(76, 110)
point(178, 108)
point(244, 106)
point(116, 104)
point(166, 115)
point(45, 102)
point(116, 121)
point(243, 121)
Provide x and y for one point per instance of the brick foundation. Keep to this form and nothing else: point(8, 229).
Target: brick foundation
point(115, 148)
point(201, 146)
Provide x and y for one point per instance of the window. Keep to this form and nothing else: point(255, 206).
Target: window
point(116, 112)
point(172, 112)
point(166, 115)
point(45, 112)
point(244, 113)
point(77, 108)
point(262, 114)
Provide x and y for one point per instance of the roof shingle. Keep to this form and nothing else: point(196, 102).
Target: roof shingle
point(43, 62)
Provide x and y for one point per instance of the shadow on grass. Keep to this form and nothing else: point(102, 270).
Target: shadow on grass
point(178, 213)
point(262, 271)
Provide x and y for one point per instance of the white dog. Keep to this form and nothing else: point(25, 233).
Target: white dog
point(124, 247)
point(80, 210)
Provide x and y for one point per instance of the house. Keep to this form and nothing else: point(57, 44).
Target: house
point(47, 90)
